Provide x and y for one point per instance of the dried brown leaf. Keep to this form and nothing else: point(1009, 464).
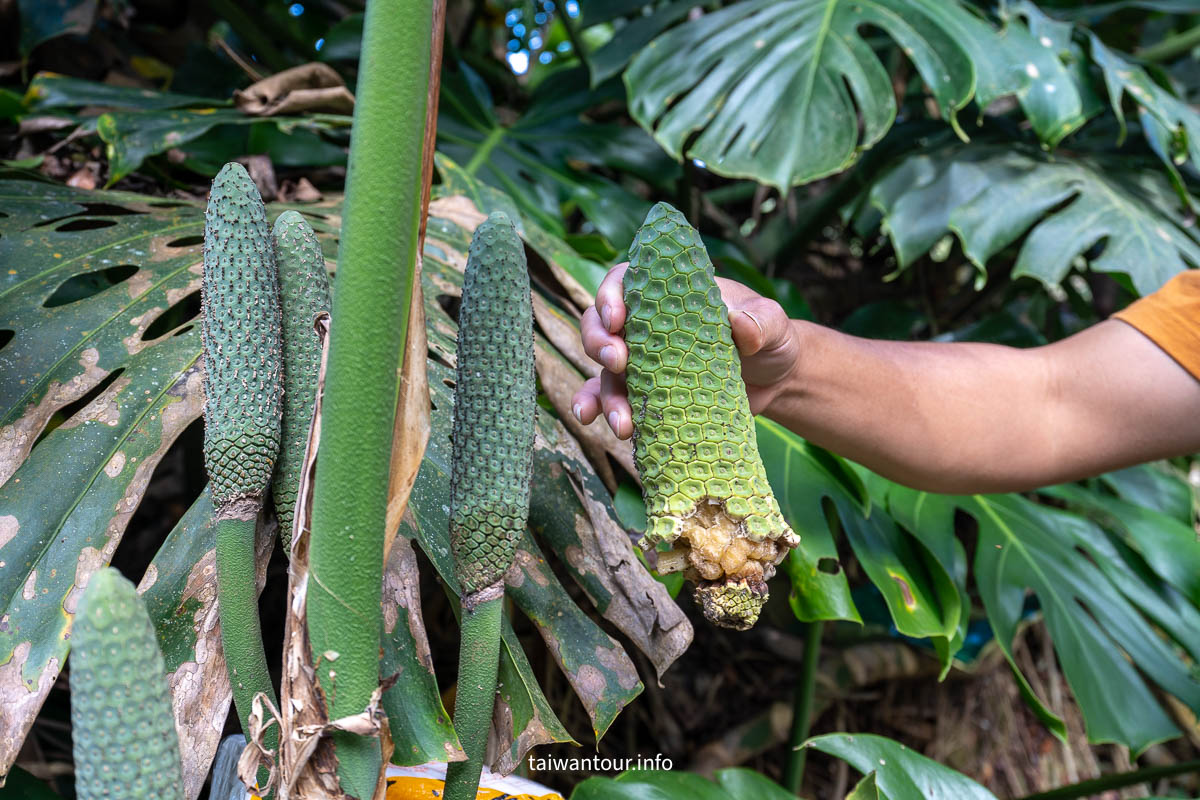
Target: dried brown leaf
point(308, 87)
point(410, 432)
point(560, 381)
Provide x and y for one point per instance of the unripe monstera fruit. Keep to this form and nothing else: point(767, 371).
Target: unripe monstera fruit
point(243, 383)
point(495, 405)
point(705, 488)
point(303, 294)
point(121, 719)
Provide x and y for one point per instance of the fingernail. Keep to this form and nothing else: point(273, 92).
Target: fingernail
point(606, 317)
point(577, 410)
point(614, 421)
point(757, 324)
point(606, 355)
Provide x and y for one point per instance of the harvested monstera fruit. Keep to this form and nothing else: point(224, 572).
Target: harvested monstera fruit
point(706, 491)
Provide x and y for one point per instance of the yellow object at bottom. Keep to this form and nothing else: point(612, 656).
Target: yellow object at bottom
point(427, 782)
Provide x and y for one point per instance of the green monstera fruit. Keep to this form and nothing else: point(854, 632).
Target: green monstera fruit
point(495, 402)
point(242, 369)
point(121, 720)
point(706, 491)
point(303, 294)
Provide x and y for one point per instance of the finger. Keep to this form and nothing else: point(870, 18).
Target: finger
point(758, 325)
point(607, 349)
point(586, 402)
point(610, 299)
point(617, 412)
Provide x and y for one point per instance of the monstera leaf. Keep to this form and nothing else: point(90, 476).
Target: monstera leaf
point(992, 195)
point(541, 159)
point(792, 92)
point(1116, 612)
point(139, 123)
point(894, 772)
point(727, 784)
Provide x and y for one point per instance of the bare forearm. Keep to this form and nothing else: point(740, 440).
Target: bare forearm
point(979, 417)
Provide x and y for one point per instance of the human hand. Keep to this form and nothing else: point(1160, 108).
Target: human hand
point(763, 334)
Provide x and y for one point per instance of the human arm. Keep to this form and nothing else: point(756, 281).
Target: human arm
point(947, 417)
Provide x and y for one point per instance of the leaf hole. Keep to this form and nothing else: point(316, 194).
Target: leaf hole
point(177, 314)
point(176, 483)
point(6, 336)
point(84, 225)
point(88, 284)
point(186, 241)
point(71, 409)
point(450, 304)
point(830, 566)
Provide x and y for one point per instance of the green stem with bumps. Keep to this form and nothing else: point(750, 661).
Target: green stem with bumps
point(376, 268)
point(241, 632)
point(478, 665)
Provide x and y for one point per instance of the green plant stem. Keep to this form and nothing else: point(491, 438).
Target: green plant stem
point(1117, 781)
point(485, 149)
point(576, 42)
point(793, 774)
point(241, 632)
point(479, 662)
point(244, 25)
point(1172, 46)
point(371, 298)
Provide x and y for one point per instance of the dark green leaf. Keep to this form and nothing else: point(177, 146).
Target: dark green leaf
point(611, 59)
point(540, 159)
point(900, 773)
point(777, 68)
point(420, 727)
point(745, 784)
point(343, 42)
point(991, 195)
point(800, 479)
point(649, 785)
point(133, 137)
point(1154, 486)
point(42, 20)
point(1098, 607)
point(50, 90)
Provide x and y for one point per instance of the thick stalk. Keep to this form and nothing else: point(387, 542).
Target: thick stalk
point(241, 633)
point(793, 775)
point(376, 263)
point(1119, 781)
point(479, 662)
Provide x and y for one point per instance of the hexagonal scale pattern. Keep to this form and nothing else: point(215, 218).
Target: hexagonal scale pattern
point(495, 403)
point(705, 487)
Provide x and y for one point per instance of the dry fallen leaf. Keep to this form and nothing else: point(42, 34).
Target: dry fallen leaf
point(308, 87)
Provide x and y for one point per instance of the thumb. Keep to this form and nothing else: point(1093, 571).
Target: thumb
point(758, 325)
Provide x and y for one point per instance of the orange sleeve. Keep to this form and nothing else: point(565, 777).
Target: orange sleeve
point(1171, 318)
